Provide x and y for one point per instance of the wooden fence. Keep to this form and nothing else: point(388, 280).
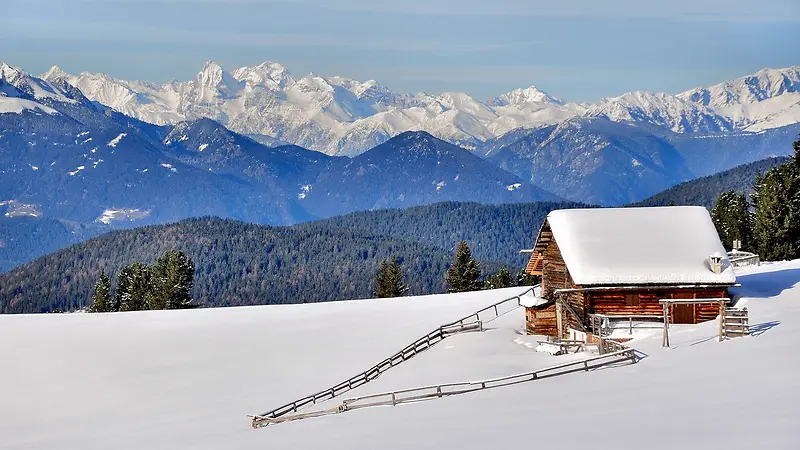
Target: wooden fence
point(740, 258)
point(472, 322)
point(600, 323)
point(734, 323)
point(447, 389)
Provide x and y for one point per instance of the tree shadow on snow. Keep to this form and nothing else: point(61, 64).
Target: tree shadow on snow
point(765, 284)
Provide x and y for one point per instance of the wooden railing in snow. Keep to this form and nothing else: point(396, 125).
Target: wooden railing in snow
point(472, 322)
point(600, 323)
point(734, 323)
point(397, 397)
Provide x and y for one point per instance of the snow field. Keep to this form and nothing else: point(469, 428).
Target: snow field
point(187, 379)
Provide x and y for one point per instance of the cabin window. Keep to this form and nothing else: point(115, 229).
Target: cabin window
point(632, 299)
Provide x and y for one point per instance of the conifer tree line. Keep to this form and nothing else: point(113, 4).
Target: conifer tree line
point(167, 284)
point(770, 223)
point(464, 275)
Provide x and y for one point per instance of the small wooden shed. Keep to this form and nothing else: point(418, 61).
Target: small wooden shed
point(622, 261)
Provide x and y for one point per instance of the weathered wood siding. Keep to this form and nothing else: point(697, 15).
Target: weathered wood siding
point(617, 302)
point(541, 320)
point(555, 275)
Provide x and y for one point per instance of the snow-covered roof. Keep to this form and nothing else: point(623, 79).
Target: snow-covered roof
point(533, 298)
point(617, 246)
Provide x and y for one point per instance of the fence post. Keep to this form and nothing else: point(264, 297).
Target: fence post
point(665, 339)
point(630, 325)
point(721, 320)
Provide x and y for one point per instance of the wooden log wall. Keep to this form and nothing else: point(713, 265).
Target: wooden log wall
point(541, 320)
point(555, 275)
point(617, 302)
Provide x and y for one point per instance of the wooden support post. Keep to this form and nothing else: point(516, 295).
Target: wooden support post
point(559, 324)
point(665, 340)
point(721, 320)
point(630, 325)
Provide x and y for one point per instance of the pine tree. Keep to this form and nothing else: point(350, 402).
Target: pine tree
point(101, 299)
point(464, 274)
point(389, 280)
point(526, 279)
point(172, 279)
point(734, 221)
point(777, 210)
point(134, 288)
point(501, 279)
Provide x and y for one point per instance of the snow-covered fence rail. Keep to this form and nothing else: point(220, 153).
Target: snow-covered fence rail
point(739, 258)
point(446, 389)
point(472, 322)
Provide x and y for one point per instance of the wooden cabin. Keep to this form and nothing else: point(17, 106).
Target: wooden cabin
point(622, 261)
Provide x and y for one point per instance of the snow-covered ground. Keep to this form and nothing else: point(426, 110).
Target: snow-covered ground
point(187, 379)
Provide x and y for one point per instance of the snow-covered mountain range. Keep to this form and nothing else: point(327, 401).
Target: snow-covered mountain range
point(342, 116)
point(67, 157)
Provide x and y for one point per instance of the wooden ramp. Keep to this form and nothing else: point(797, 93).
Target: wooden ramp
point(472, 322)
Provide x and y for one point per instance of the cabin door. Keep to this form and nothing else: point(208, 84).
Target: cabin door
point(683, 313)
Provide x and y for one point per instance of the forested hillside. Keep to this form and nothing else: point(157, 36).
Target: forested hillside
point(244, 264)
point(704, 191)
point(236, 264)
point(494, 232)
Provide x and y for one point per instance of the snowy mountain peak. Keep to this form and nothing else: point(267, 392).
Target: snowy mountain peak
point(662, 110)
point(6, 70)
point(54, 73)
point(214, 81)
point(768, 98)
point(760, 86)
point(270, 74)
point(522, 97)
point(34, 87)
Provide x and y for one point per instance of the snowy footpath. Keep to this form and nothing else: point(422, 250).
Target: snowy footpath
point(187, 379)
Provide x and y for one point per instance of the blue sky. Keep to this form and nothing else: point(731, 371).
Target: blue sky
point(579, 50)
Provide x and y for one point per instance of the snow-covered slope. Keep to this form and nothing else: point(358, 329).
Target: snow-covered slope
point(769, 98)
point(186, 379)
point(343, 116)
